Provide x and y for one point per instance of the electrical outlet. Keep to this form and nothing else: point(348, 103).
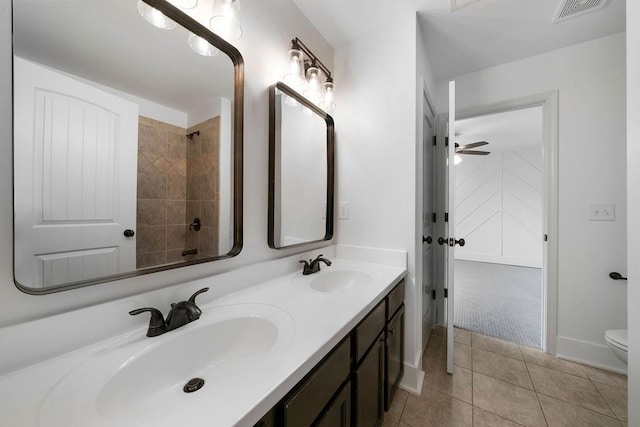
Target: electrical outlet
point(601, 212)
point(343, 212)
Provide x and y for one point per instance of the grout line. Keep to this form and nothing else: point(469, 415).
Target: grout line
point(605, 400)
point(499, 416)
point(575, 405)
point(535, 391)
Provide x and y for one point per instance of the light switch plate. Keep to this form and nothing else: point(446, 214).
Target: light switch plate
point(343, 212)
point(601, 212)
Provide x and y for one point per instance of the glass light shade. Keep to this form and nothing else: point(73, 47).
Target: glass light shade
point(328, 103)
point(313, 91)
point(184, 4)
point(306, 111)
point(201, 46)
point(457, 159)
point(155, 17)
point(226, 19)
point(295, 77)
point(290, 101)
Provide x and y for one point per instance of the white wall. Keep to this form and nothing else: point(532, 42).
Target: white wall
point(590, 78)
point(499, 206)
point(268, 28)
point(376, 146)
point(633, 194)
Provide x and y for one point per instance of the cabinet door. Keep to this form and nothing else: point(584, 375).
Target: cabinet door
point(370, 386)
point(338, 414)
point(394, 356)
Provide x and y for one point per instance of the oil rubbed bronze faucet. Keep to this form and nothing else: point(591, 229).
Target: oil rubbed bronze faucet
point(313, 266)
point(180, 314)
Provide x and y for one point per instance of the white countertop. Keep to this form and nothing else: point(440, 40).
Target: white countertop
point(319, 321)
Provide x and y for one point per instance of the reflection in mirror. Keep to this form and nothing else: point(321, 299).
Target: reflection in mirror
point(127, 143)
point(301, 138)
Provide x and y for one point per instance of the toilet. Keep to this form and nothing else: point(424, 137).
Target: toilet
point(617, 342)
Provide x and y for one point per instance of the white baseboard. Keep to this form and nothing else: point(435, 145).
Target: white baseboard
point(412, 379)
point(589, 353)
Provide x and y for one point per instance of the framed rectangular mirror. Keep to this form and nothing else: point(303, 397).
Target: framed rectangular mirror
point(301, 168)
point(127, 141)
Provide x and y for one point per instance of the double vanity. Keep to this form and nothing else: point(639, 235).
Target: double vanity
point(323, 348)
point(267, 344)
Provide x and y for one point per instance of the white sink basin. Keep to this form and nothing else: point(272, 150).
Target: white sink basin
point(143, 376)
point(330, 281)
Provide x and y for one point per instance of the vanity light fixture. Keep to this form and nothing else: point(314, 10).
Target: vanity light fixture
point(159, 19)
point(201, 46)
point(225, 21)
point(305, 76)
point(155, 17)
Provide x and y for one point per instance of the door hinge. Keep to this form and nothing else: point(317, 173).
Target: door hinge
point(446, 217)
point(433, 294)
point(434, 216)
point(435, 140)
point(546, 238)
point(446, 293)
point(446, 141)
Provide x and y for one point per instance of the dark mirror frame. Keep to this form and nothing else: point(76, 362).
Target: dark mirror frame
point(272, 162)
point(238, 123)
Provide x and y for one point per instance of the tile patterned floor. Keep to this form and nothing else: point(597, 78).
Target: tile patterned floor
point(497, 383)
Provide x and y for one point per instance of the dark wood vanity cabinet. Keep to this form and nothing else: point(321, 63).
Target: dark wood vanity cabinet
point(369, 386)
point(355, 383)
point(394, 356)
point(338, 414)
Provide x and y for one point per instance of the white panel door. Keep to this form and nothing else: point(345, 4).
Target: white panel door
point(450, 225)
point(75, 161)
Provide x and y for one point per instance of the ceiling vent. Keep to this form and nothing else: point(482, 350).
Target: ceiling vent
point(459, 4)
point(572, 8)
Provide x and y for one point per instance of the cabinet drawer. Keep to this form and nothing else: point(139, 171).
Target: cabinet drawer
point(314, 394)
point(268, 420)
point(395, 299)
point(369, 329)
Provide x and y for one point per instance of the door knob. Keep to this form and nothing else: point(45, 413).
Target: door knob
point(460, 242)
point(129, 233)
point(442, 241)
point(427, 239)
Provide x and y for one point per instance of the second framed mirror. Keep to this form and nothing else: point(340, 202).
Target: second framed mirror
point(301, 168)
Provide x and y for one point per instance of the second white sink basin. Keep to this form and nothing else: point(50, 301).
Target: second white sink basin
point(330, 281)
point(339, 280)
point(146, 375)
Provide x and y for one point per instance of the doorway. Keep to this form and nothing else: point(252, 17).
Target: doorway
point(548, 102)
point(499, 213)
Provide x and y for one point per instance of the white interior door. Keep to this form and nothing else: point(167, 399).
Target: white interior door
point(428, 225)
point(450, 177)
point(75, 162)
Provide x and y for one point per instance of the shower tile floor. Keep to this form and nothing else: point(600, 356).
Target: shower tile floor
point(499, 383)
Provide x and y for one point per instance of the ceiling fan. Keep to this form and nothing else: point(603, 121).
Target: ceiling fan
point(466, 149)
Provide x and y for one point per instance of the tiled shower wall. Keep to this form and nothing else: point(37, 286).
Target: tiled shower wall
point(162, 193)
point(177, 182)
point(203, 187)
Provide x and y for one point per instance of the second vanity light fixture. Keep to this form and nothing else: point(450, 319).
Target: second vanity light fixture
point(222, 16)
point(305, 76)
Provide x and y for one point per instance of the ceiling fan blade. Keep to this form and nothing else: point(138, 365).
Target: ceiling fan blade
point(472, 145)
point(474, 152)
